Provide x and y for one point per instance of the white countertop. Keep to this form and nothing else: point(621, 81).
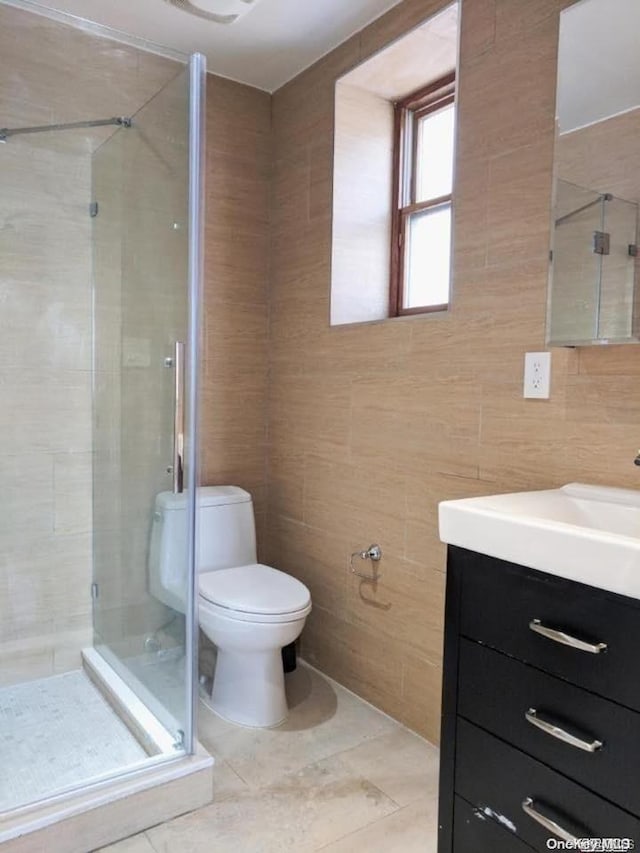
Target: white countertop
point(589, 534)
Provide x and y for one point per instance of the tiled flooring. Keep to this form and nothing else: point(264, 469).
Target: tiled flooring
point(58, 732)
point(339, 777)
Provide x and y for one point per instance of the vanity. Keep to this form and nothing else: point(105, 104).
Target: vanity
point(540, 741)
point(541, 697)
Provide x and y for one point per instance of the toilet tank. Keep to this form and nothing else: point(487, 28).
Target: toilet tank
point(226, 537)
point(226, 528)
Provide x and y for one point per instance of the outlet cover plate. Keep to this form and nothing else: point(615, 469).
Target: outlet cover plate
point(537, 375)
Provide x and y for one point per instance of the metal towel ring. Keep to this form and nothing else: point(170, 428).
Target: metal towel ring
point(373, 553)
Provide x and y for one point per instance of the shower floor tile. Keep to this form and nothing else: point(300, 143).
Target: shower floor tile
point(55, 733)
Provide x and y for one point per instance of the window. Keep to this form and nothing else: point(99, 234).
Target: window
point(423, 187)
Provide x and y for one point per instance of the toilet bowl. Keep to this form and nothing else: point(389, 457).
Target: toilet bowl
point(248, 610)
point(250, 613)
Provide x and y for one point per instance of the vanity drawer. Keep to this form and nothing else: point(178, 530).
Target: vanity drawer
point(501, 604)
point(496, 692)
point(475, 832)
point(493, 775)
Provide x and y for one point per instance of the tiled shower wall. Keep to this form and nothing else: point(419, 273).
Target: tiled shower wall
point(371, 426)
point(45, 416)
point(45, 328)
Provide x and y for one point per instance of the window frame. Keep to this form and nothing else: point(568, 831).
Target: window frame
point(407, 114)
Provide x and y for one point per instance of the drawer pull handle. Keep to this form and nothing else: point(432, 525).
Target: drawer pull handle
point(555, 731)
point(566, 639)
point(528, 807)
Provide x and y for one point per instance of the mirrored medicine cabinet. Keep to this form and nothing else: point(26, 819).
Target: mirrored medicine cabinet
point(594, 279)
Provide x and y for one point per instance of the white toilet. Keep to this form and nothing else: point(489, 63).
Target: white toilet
point(249, 611)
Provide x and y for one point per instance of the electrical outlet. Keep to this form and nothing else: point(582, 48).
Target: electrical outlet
point(537, 375)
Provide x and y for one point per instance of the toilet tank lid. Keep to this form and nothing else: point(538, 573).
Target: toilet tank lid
point(221, 495)
point(206, 496)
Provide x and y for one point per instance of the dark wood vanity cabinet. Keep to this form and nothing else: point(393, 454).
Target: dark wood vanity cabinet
point(541, 710)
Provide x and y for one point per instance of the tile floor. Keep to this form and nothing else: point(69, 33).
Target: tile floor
point(339, 777)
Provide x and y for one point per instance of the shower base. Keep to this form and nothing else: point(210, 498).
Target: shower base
point(162, 675)
point(55, 733)
point(62, 739)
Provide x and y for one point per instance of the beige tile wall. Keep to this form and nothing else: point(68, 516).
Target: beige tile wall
point(234, 356)
point(371, 426)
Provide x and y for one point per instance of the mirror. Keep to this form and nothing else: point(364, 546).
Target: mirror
point(594, 289)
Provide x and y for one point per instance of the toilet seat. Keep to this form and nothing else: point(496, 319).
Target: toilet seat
point(254, 593)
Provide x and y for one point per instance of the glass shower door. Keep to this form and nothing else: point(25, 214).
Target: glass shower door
point(141, 321)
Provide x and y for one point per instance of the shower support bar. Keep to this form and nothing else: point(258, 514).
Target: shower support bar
point(603, 197)
point(121, 121)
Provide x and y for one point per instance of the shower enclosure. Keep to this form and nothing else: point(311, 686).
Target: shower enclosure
point(100, 263)
point(595, 272)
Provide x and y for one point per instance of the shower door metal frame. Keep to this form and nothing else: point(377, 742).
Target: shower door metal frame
point(197, 141)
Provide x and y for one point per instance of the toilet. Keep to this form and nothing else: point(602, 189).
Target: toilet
point(248, 610)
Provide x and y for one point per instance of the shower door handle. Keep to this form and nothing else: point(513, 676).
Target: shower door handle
point(178, 418)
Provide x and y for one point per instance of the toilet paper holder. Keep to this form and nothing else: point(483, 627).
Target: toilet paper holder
point(373, 553)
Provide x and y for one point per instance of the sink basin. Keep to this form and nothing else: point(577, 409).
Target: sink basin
point(589, 534)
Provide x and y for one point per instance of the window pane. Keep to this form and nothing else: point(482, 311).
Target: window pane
point(428, 257)
point(434, 177)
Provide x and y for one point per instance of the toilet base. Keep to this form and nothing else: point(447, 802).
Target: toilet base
point(248, 684)
point(248, 688)
point(205, 698)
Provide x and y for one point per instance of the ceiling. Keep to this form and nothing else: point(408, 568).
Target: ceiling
point(599, 61)
point(266, 47)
